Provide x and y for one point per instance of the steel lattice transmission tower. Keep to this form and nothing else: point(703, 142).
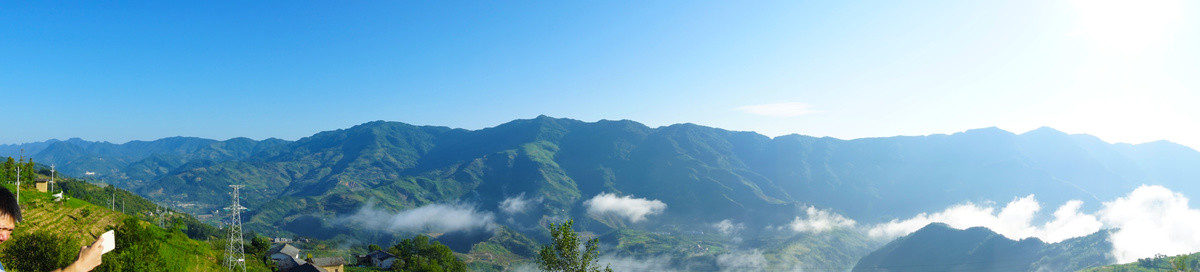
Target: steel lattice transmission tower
point(235, 254)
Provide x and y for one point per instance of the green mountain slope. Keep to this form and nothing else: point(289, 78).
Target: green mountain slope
point(566, 161)
point(704, 174)
point(938, 247)
point(135, 161)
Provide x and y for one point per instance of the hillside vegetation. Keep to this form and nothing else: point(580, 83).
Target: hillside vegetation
point(1160, 263)
point(53, 230)
point(700, 175)
point(703, 174)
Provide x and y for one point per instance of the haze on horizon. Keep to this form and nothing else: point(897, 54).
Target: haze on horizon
point(1122, 71)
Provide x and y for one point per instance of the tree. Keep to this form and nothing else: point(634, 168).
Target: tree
point(39, 251)
point(27, 172)
point(137, 249)
point(373, 248)
point(1182, 263)
point(563, 254)
point(418, 254)
point(10, 170)
point(259, 246)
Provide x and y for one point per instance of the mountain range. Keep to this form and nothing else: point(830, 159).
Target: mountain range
point(699, 172)
point(700, 175)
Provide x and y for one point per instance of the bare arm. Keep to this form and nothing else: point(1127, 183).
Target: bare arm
point(89, 258)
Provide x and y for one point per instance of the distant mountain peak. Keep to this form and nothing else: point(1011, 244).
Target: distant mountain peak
point(684, 126)
point(1044, 131)
point(987, 132)
point(1162, 143)
point(935, 226)
point(375, 123)
point(994, 130)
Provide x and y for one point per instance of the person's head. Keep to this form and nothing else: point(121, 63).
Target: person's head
point(10, 214)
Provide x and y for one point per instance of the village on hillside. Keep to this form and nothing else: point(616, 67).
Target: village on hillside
point(287, 258)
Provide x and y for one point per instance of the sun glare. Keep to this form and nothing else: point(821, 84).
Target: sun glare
point(1121, 90)
point(1127, 27)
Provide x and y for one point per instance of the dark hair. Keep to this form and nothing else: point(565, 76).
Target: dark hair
point(9, 206)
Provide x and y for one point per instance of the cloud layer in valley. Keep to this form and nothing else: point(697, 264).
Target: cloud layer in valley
point(728, 227)
point(1149, 220)
point(1014, 220)
point(742, 261)
point(634, 209)
point(518, 204)
point(435, 218)
point(1152, 220)
point(817, 221)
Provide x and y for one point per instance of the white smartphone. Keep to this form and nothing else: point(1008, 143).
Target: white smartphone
point(110, 241)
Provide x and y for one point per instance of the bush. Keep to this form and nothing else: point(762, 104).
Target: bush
point(418, 254)
point(137, 249)
point(39, 252)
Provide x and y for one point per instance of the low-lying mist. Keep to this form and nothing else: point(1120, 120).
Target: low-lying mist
point(1149, 220)
point(629, 207)
point(429, 218)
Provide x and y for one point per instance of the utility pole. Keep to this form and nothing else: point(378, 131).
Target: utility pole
point(235, 254)
point(18, 184)
point(53, 174)
point(19, 177)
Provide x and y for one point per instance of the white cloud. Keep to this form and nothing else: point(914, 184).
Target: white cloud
point(518, 204)
point(742, 261)
point(785, 109)
point(436, 218)
point(1014, 221)
point(635, 209)
point(1068, 223)
point(1151, 220)
point(819, 221)
point(727, 227)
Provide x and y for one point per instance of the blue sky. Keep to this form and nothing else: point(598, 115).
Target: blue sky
point(1126, 72)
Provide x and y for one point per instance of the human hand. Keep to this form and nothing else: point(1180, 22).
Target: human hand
point(89, 257)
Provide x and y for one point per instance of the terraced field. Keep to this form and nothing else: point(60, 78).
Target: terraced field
point(84, 222)
point(71, 217)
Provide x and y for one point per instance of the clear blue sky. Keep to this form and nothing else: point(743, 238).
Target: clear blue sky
point(105, 71)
